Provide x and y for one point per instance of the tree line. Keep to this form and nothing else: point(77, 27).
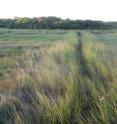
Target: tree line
point(54, 23)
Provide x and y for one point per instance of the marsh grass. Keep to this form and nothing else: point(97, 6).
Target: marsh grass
point(70, 81)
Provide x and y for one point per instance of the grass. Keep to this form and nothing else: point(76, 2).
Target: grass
point(30, 36)
point(69, 79)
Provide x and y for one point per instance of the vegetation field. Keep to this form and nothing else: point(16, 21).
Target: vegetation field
point(58, 76)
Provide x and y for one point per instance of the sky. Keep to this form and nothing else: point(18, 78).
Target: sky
point(105, 10)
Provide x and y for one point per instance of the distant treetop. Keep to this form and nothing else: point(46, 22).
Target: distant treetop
point(52, 22)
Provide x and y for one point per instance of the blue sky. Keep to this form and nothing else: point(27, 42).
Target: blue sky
point(74, 9)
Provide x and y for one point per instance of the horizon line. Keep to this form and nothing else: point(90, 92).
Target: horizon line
point(56, 17)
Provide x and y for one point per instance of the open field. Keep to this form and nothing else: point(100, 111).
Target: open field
point(58, 76)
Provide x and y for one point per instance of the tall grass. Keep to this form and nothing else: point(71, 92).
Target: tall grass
point(70, 81)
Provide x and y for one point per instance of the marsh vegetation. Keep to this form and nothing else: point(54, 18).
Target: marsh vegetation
point(58, 77)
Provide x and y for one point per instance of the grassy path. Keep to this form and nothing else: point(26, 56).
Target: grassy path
point(84, 93)
point(84, 69)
